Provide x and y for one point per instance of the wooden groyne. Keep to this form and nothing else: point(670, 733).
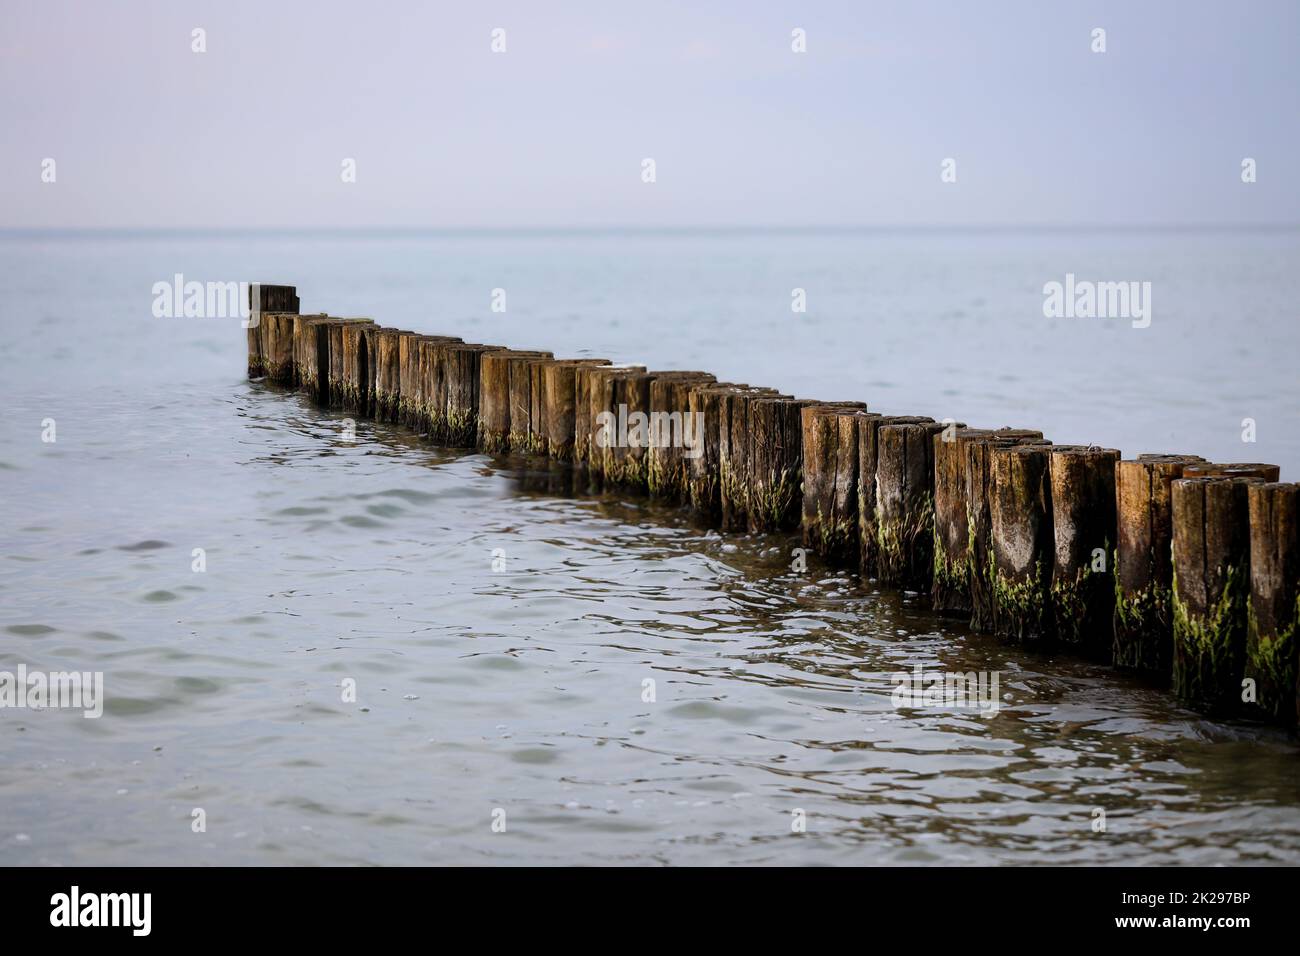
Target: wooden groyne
point(1165, 565)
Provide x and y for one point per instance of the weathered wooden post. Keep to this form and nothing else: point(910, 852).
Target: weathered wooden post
point(950, 593)
point(560, 403)
point(408, 389)
point(1144, 573)
point(431, 398)
point(673, 432)
point(830, 479)
point(351, 392)
point(1211, 553)
point(369, 399)
point(705, 406)
point(905, 502)
point(1083, 527)
point(304, 352)
point(734, 445)
point(460, 365)
point(604, 396)
point(1023, 544)
point(388, 374)
point(977, 469)
point(1273, 614)
point(277, 345)
point(866, 440)
point(776, 463)
point(264, 300)
point(495, 421)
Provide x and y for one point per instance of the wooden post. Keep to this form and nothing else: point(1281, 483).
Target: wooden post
point(388, 374)
point(1273, 615)
point(408, 376)
point(830, 486)
point(977, 475)
point(705, 406)
point(1214, 469)
point(905, 502)
point(1023, 544)
point(734, 444)
point(775, 478)
point(950, 593)
point(1083, 528)
point(338, 360)
point(1144, 571)
point(602, 419)
point(494, 411)
point(866, 439)
point(369, 386)
point(264, 300)
point(1211, 549)
point(673, 432)
point(430, 399)
point(560, 404)
point(460, 375)
point(277, 346)
point(304, 352)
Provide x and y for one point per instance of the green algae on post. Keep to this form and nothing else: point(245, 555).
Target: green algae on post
point(1143, 624)
point(1273, 609)
point(1082, 479)
point(1020, 561)
point(1211, 558)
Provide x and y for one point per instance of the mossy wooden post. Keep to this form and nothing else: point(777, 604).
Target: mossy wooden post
point(673, 432)
point(312, 339)
point(625, 458)
point(264, 300)
point(304, 352)
point(278, 346)
point(408, 365)
point(461, 371)
point(830, 487)
point(495, 420)
point(338, 361)
point(953, 532)
point(705, 405)
point(1020, 573)
point(734, 440)
point(559, 396)
point(867, 427)
point(776, 463)
point(1217, 469)
point(356, 368)
point(431, 393)
point(1273, 612)
point(369, 399)
point(604, 397)
point(1143, 627)
point(905, 502)
point(388, 374)
point(1083, 529)
point(1211, 549)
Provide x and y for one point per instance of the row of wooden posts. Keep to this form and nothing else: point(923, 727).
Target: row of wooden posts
point(1180, 569)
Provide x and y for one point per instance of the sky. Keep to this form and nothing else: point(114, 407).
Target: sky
point(553, 133)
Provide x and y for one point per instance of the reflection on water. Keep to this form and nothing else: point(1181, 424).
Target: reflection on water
point(523, 689)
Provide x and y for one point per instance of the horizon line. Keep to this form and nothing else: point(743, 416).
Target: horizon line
point(16, 232)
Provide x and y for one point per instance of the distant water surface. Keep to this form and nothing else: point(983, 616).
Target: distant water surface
point(522, 690)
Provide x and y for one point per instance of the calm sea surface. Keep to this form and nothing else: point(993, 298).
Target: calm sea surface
point(519, 692)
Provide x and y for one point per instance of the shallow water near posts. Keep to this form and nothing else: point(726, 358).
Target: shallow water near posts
point(520, 688)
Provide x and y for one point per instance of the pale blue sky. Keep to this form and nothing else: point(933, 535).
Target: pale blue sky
point(445, 133)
